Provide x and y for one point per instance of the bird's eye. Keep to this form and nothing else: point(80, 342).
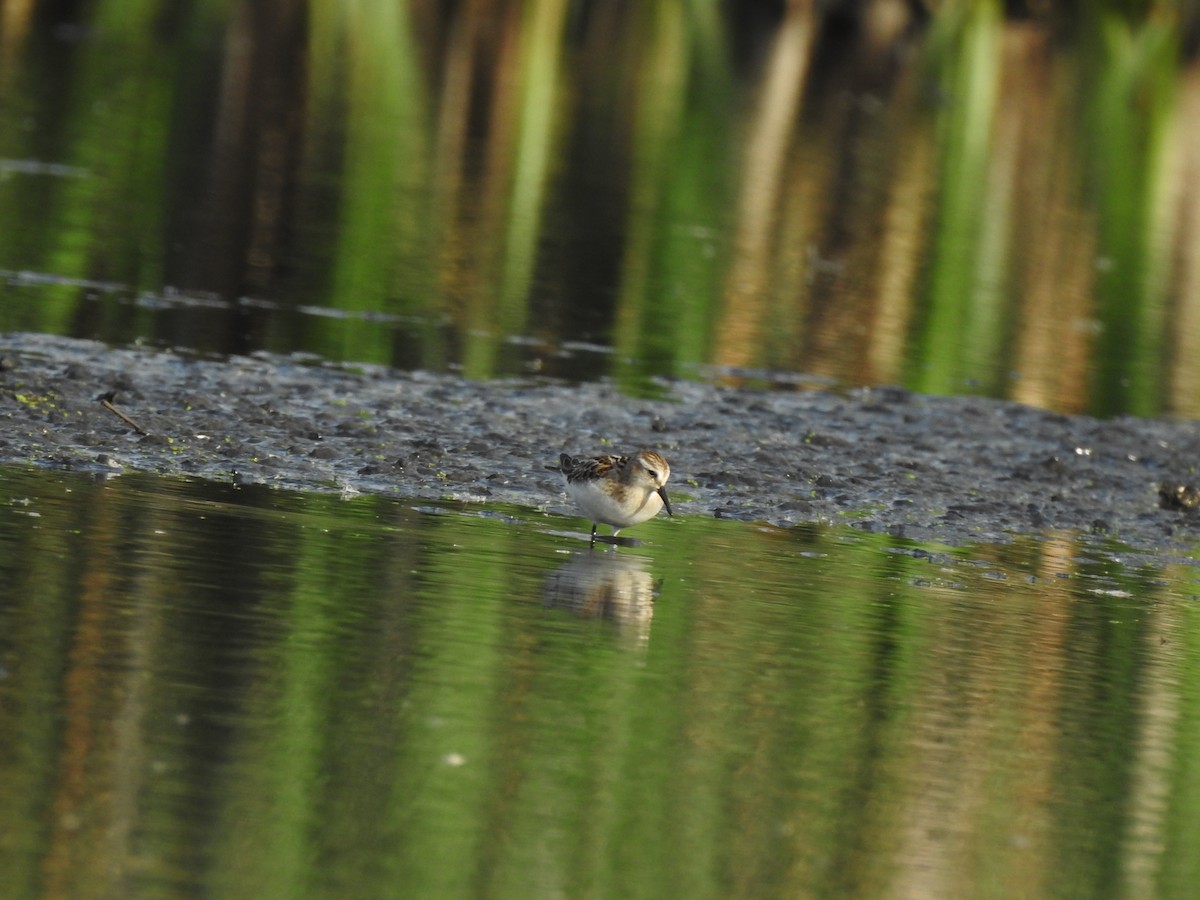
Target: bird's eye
point(652, 474)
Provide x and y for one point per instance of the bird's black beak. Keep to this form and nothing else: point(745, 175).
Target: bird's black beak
point(662, 492)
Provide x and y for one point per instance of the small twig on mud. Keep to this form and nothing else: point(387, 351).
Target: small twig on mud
point(106, 400)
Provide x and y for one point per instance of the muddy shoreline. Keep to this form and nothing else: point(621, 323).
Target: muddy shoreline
point(955, 470)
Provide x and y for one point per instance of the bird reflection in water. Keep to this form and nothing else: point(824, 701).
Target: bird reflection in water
point(608, 586)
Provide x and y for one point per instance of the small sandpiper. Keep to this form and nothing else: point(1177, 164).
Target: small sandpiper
point(617, 490)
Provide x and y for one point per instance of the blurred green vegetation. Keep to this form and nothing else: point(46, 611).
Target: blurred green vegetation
point(246, 692)
point(968, 198)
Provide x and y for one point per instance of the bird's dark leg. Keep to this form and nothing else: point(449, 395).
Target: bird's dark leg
point(593, 534)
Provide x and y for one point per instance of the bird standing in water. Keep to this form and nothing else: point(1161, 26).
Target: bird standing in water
point(620, 491)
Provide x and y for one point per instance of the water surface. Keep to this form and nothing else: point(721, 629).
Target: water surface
point(954, 198)
point(250, 692)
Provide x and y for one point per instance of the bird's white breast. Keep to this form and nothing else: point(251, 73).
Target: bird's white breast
point(627, 506)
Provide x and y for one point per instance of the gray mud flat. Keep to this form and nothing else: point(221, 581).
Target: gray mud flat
point(954, 470)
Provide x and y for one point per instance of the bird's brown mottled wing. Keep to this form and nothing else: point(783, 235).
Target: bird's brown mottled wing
point(583, 468)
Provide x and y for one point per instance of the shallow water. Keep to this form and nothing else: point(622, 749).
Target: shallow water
point(972, 199)
point(250, 692)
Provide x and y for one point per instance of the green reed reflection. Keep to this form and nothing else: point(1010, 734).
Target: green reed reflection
point(972, 224)
point(245, 692)
point(1130, 114)
point(960, 200)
